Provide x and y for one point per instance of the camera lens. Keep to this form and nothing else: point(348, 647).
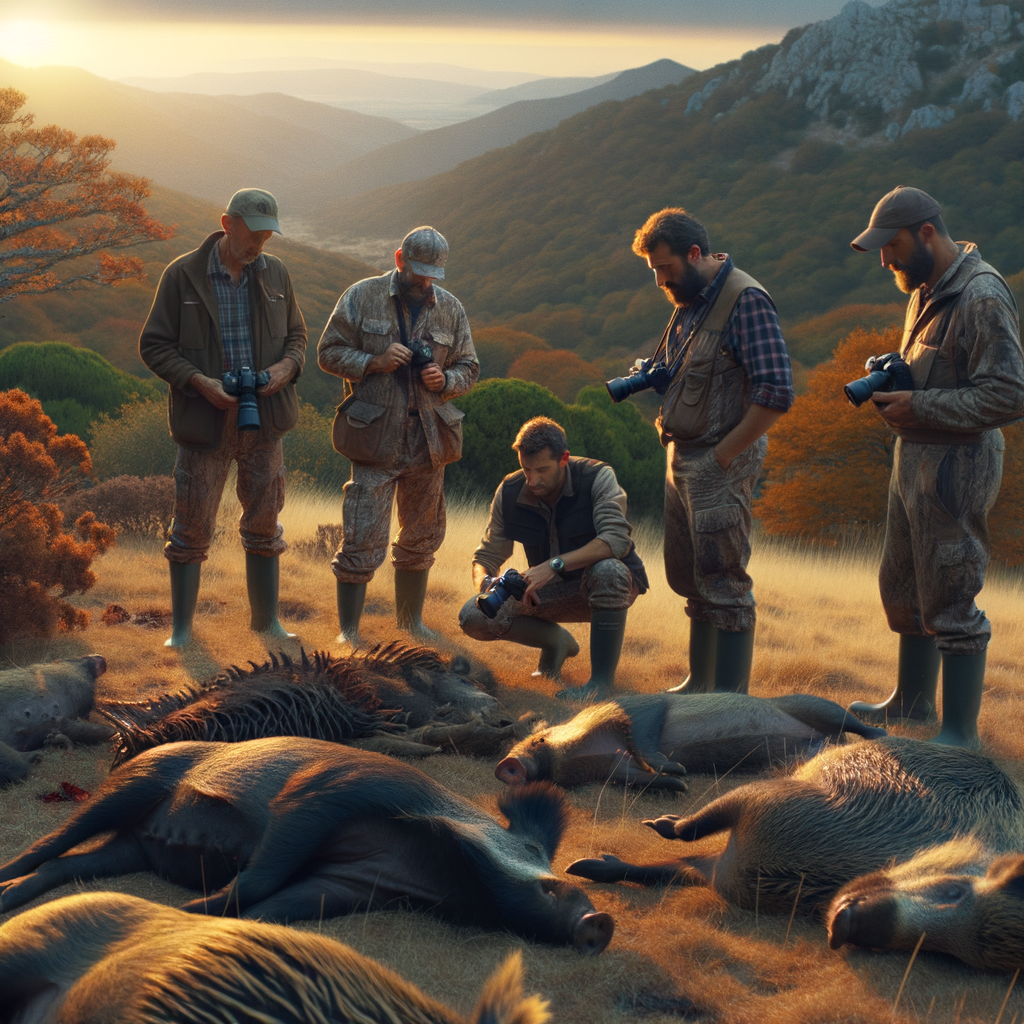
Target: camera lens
point(490, 603)
point(859, 391)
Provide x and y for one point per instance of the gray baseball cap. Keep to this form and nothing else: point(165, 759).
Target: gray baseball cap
point(257, 207)
point(900, 208)
point(425, 251)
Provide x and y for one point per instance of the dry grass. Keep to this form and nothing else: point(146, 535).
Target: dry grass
point(677, 954)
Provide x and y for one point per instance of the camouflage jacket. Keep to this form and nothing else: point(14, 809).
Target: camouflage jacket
point(962, 341)
point(365, 322)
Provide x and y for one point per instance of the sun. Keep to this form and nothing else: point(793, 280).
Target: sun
point(28, 43)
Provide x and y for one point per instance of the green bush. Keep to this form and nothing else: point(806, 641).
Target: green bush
point(75, 385)
point(309, 457)
point(137, 443)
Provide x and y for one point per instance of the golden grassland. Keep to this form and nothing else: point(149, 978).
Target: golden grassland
point(678, 954)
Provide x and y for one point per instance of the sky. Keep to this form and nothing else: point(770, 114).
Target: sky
point(117, 39)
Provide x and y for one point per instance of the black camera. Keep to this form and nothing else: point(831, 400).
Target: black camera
point(509, 584)
point(646, 373)
point(422, 353)
point(243, 384)
point(885, 373)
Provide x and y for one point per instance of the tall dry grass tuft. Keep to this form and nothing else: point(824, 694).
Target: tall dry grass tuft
point(679, 954)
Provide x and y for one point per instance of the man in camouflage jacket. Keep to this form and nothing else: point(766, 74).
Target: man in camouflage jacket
point(961, 340)
point(404, 345)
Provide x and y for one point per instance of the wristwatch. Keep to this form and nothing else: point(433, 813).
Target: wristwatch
point(557, 565)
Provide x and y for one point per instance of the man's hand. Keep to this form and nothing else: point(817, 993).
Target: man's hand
point(536, 577)
point(213, 391)
point(281, 373)
point(390, 359)
point(894, 408)
point(479, 575)
point(432, 377)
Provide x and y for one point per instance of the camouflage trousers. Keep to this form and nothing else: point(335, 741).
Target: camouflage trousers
point(936, 540)
point(199, 479)
point(707, 533)
point(366, 512)
point(607, 584)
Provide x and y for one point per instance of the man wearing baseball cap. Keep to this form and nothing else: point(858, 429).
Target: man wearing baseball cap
point(961, 339)
point(403, 346)
point(221, 309)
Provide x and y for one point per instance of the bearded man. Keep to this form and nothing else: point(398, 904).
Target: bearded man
point(405, 348)
point(730, 381)
point(961, 339)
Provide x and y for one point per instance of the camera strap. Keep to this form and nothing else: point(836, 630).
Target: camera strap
point(402, 329)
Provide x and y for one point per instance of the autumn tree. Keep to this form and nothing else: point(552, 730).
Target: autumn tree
point(61, 206)
point(41, 564)
point(498, 348)
point(562, 372)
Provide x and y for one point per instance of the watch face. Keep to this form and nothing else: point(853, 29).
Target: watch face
point(557, 564)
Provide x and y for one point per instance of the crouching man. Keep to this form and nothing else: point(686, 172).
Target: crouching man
point(570, 516)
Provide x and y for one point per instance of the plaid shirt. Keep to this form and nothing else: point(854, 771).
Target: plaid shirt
point(235, 309)
point(752, 334)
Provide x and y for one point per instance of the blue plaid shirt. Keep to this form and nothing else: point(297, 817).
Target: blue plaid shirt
point(235, 308)
point(753, 335)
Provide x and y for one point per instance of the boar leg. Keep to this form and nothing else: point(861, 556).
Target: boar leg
point(607, 868)
point(309, 900)
point(118, 855)
point(87, 732)
point(629, 775)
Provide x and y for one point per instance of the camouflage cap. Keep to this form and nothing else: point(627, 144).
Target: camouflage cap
point(900, 208)
point(257, 207)
point(425, 251)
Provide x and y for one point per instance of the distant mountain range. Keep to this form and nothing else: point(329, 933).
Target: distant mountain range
point(442, 149)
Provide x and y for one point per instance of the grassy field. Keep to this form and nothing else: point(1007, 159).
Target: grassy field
point(677, 954)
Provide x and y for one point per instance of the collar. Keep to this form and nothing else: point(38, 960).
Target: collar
point(526, 496)
point(395, 290)
point(947, 279)
point(711, 291)
point(215, 265)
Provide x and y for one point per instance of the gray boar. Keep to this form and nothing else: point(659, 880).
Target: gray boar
point(652, 739)
point(289, 829)
point(47, 703)
point(121, 960)
point(967, 900)
point(796, 840)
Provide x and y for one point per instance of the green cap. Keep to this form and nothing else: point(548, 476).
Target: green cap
point(257, 207)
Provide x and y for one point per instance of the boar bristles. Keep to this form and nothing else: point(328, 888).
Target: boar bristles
point(539, 809)
point(502, 1002)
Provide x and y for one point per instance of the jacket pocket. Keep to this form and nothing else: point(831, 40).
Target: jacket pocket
point(359, 429)
point(449, 432)
point(376, 336)
point(194, 324)
point(276, 306)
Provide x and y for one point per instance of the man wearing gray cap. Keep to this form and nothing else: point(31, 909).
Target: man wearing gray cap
point(228, 308)
point(404, 348)
point(961, 340)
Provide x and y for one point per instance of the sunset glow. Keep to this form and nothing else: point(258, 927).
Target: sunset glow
point(123, 49)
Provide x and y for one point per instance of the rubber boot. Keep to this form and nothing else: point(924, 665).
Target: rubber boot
point(555, 643)
point(184, 594)
point(703, 647)
point(917, 678)
point(410, 592)
point(734, 654)
point(351, 598)
point(607, 629)
point(963, 678)
point(262, 576)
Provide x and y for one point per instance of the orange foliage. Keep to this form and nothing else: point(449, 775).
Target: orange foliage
point(40, 564)
point(828, 463)
point(499, 347)
point(60, 203)
point(562, 372)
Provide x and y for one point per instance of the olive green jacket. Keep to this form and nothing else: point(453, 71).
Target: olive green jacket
point(182, 336)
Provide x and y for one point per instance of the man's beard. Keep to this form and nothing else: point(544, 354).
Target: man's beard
point(685, 290)
point(413, 292)
point(918, 269)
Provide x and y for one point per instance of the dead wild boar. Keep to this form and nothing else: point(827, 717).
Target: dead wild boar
point(848, 811)
point(967, 900)
point(288, 829)
point(397, 699)
point(47, 703)
point(650, 740)
point(122, 960)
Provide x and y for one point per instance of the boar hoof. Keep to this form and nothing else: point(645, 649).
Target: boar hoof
point(592, 933)
point(665, 826)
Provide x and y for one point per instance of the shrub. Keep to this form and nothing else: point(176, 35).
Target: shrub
point(130, 504)
point(137, 443)
point(309, 456)
point(40, 564)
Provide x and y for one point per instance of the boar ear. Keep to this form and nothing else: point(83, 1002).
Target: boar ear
point(539, 810)
point(1007, 872)
point(460, 665)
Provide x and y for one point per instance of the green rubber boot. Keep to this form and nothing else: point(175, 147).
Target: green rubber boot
point(963, 679)
point(607, 630)
point(184, 595)
point(917, 679)
point(555, 643)
point(703, 648)
point(410, 593)
point(262, 576)
point(351, 597)
point(734, 654)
